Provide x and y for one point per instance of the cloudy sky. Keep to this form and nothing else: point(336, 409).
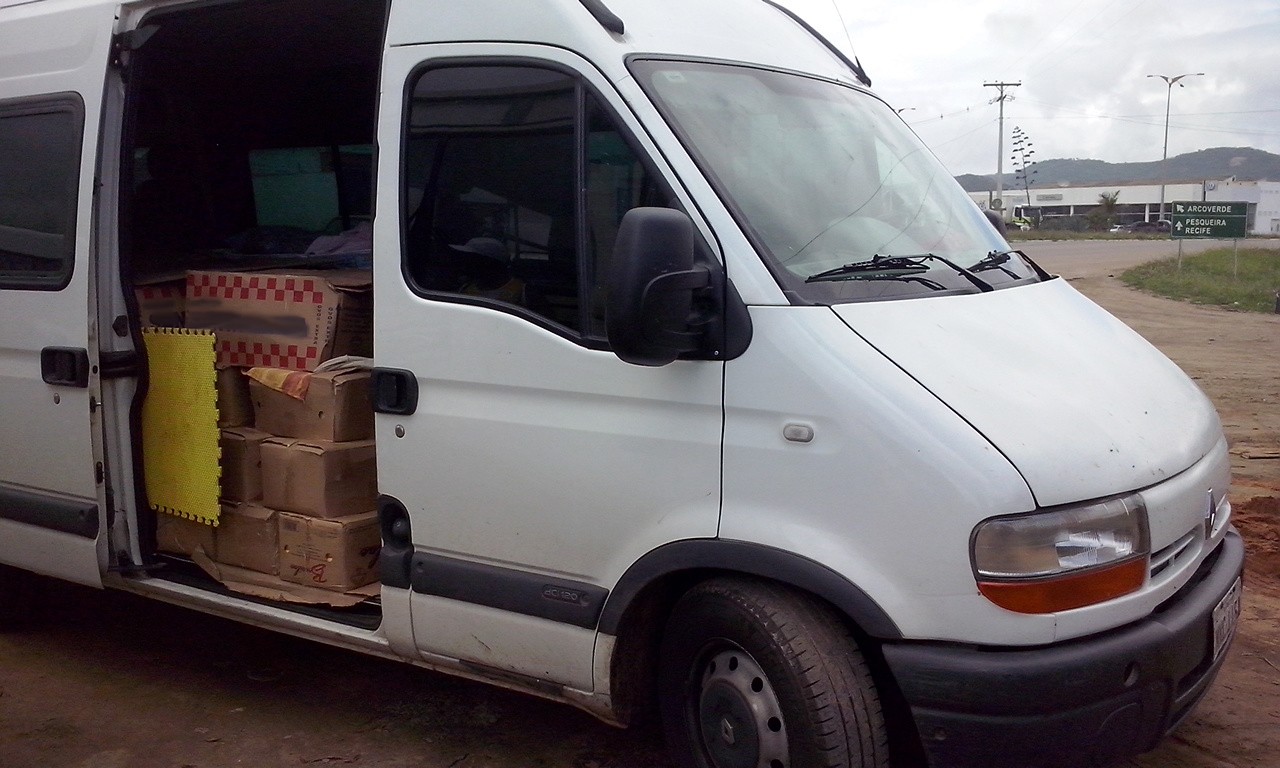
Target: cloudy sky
point(1083, 67)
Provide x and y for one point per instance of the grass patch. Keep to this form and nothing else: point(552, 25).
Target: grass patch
point(1213, 277)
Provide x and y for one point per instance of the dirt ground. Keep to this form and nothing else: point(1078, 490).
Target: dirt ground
point(113, 681)
point(1235, 357)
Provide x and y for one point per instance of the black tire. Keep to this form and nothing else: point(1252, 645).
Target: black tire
point(21, 598)
point(755, 675)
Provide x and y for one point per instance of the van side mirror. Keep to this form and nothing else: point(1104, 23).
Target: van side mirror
point(649, 312)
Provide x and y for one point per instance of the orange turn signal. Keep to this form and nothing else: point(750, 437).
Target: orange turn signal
point(1062, 593)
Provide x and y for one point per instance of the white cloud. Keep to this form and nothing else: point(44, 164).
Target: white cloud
point(1083, 68)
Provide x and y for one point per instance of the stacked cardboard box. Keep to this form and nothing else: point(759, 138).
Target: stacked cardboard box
point(298, 467)
point(339, 553)
point(234, 407)
point(294, 319)
point(242, 463)
point(319, 471)
point(334, 406)
point(160, 302)
point(182, 536)
point(248, 537)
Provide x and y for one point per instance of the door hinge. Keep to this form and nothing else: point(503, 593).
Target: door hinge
point(125, 43)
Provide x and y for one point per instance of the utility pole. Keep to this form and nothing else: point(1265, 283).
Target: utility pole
point(1000, 142)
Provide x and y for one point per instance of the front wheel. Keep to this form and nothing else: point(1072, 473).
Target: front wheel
point(755, 675)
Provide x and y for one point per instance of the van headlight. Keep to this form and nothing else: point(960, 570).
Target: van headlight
point(1063, 558)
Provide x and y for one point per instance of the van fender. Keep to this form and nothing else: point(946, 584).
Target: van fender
point(753, 559)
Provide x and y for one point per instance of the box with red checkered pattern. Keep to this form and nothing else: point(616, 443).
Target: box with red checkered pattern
point(284, 319)
point(160, 303)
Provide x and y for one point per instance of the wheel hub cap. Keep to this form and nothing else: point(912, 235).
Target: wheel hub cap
point(739, 715)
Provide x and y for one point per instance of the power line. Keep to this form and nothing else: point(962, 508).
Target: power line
point(1211, 114)
point(1054, 27)
point(1155, 124)
point(1138, 119)
point(969, 108)
point(1030, 100)
point(1086, 25)
point(934, 144)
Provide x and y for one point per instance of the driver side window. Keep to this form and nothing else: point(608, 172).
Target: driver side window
point(515, 181)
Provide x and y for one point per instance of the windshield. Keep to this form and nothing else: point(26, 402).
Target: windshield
point(830, 185)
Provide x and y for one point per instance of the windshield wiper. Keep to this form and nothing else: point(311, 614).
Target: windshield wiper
point(896, 265)
point(901, 276)
point(995, 260)
point(883, 264)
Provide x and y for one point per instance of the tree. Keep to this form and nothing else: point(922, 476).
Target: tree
point(1104, 215)
point(1024, 173)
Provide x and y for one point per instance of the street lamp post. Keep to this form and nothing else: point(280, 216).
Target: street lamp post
point(1169, 80)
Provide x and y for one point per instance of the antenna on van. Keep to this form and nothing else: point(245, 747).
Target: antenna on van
point(844, 25)
point(607, 18)
point(852, 64)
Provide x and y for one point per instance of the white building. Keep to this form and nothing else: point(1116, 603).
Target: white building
point(1140, 202)
point(1263, 198)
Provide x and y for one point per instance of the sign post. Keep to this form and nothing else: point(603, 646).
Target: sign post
point(1215, 220)
point(1208, 220)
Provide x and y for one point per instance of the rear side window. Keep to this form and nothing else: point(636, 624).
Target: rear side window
point(39, 177)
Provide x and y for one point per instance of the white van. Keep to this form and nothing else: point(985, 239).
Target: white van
point(699, 382)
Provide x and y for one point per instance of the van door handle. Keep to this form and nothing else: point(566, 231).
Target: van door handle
point(395, 390)
point(65, 366)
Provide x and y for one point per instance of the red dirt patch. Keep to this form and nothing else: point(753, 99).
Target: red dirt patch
point(1258, 521)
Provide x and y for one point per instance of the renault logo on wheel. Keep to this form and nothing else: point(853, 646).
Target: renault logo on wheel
point(726, 730)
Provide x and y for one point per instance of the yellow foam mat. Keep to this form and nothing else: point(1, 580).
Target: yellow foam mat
point(180, 452)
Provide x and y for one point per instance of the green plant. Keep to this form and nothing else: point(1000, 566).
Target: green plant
point(1246, 281)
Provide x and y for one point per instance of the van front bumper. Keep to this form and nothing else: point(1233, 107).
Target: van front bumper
point(1087, 702)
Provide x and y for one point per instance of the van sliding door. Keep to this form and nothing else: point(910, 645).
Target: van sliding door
point(55, 59)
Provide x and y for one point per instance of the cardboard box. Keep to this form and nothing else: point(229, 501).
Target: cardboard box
point(319, 477)
point(338, 554)
point(242, 463)
point(235, 408)
point(248, 537)
point(290, 319)
point(336, 407)
point(182, 536)
point(161, 305)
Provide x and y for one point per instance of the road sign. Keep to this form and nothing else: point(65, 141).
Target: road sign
point(1193, 219)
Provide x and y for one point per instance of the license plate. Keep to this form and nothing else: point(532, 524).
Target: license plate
point(1225, 615)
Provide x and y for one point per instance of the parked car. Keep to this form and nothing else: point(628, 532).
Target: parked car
point(1148, 227)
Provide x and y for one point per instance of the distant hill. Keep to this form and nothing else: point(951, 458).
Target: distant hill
point(1244, 163)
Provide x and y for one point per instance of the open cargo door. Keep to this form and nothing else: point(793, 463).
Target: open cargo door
point(51, 90)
